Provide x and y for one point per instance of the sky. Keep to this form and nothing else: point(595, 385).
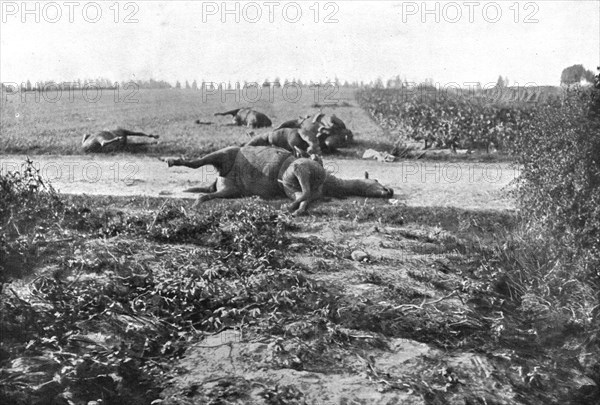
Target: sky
point(450, 42)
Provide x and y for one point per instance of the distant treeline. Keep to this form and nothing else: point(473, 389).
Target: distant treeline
point(100, 83)
point(571, 75)
point(103, 83)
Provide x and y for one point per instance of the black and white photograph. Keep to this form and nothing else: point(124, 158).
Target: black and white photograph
point(299, 202)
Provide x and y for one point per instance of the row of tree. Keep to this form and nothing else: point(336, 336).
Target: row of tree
point(275, 83)
point(104, 83)
point(571, 75)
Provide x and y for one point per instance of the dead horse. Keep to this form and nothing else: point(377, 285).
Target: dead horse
point(271, 172)
point(107, 141)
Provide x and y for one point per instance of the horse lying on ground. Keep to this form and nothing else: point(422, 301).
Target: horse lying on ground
point(110, 141)
point(249, 117)
point(319, 134)
point(286, 138)
point(327, 129)
point(270, 173)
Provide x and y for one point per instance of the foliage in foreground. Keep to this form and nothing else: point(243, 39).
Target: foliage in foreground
point(559, 186)
point(103, 322)
point(550, 266)
point(27, 207)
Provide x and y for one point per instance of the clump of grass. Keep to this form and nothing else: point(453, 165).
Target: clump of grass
point(28, 208)
point(551, 295)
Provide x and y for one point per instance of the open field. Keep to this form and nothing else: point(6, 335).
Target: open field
point(32, 123)
point(41, 127)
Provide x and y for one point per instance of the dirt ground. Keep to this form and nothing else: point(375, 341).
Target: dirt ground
point(370, 371)
point(416, 183)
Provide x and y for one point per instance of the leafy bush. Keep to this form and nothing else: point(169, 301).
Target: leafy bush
point(559, 185)
point(550, 266)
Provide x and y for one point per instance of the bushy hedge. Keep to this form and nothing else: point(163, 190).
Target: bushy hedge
point(559, 187)
point(553, 263)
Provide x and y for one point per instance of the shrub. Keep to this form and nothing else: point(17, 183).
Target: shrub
point(559, 185)
point(550, 266)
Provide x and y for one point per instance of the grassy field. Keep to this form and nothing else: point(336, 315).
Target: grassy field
point(42, 127)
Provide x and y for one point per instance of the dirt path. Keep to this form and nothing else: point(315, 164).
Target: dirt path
point(416, 183)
